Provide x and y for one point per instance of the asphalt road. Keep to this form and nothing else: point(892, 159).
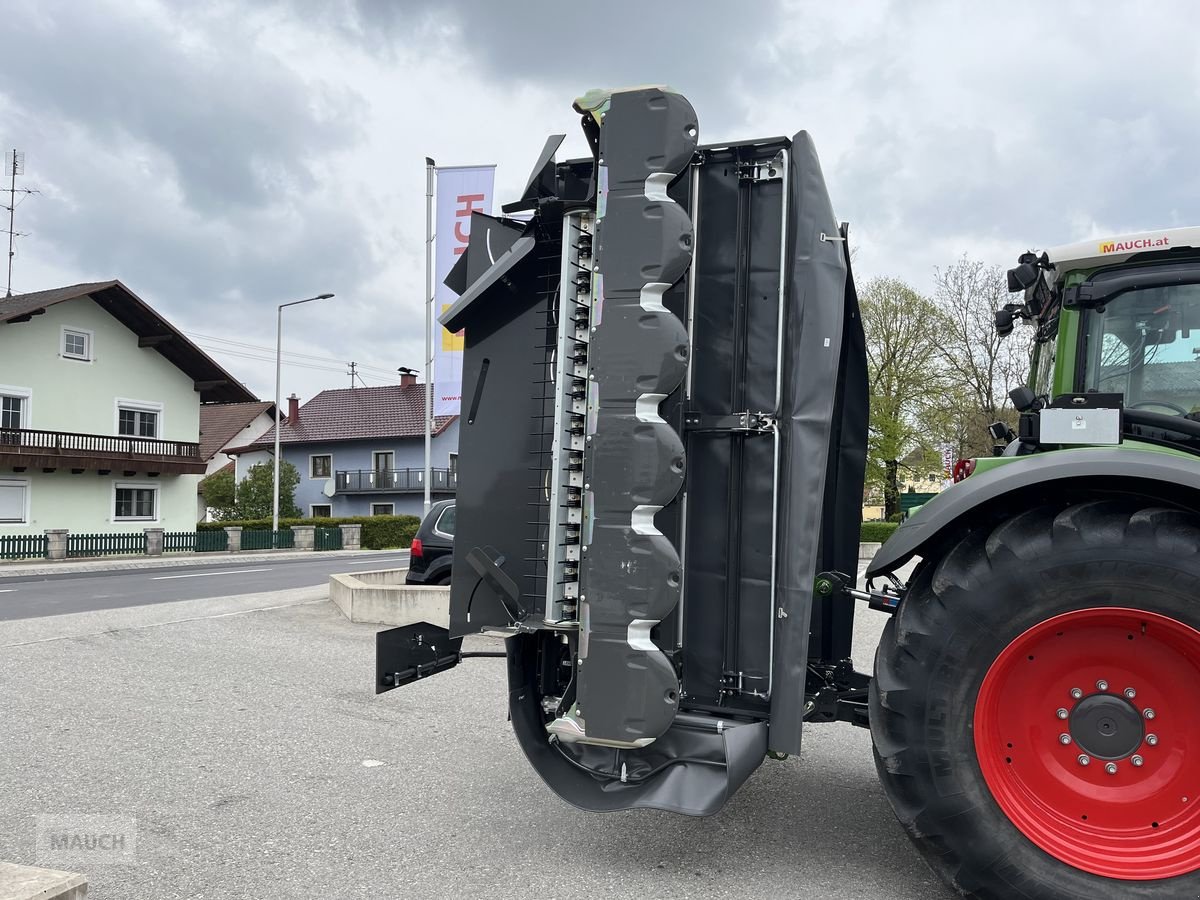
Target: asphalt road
point(52, 595)
point(243, 742)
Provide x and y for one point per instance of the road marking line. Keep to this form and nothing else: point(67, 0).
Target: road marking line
point(206, 574)
point(373, 562)
point(7, 590)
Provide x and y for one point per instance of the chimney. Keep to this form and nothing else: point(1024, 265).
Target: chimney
point(293, 412)
point(408, 377)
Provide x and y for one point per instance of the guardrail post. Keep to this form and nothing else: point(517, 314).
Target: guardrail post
point(351, 537)
point(235, 538)
point(56, 543)
point(305, 537)
point(154, 541)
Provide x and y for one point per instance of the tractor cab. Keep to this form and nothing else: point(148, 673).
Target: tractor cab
point(1116, 317)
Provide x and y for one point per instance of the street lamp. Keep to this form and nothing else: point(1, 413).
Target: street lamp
point(278, 364)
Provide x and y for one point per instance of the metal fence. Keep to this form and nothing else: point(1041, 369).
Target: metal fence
point(265, 539)
point(195, 541)
point(327, 539)
point(106, 544)
point(22, 546)
point(399, 481)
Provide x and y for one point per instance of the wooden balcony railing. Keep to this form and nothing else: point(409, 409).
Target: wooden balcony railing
point(36, 447)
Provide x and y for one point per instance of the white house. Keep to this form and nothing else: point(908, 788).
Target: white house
point(100, 413)
point(225, 425)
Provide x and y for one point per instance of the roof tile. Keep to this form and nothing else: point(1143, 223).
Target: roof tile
point(346, 414)
point(221, 421)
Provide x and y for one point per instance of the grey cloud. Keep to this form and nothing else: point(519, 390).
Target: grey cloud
point(200, 176)
point(714, 52)
point(236, 124)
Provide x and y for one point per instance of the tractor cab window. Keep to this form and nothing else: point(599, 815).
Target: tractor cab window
point(1146, 345)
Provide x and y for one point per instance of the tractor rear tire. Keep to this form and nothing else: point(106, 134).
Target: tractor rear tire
point(1034, 706)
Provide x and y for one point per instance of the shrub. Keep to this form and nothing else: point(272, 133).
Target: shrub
point(877, 532)
point(378, 532)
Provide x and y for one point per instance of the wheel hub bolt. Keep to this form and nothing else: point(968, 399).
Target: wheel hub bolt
point(1149, 713)
point(1136, 760)
point(1062, 713)
point(1152, 740)
point(1076, 694)
point(1130, 693)
point(1064, 739)
point(1102, 685)
point(1110, 768)
point(1084, 759)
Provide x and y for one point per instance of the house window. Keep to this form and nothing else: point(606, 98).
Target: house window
point(383, 509)
point(77, 344)
point(320, 511)
point(320, 466)
point(14, 501)
point(137, 422)
point(10, 411)
point(14, 409)
point(135, 502)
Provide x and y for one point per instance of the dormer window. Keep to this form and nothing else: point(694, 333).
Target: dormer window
point(77, 344)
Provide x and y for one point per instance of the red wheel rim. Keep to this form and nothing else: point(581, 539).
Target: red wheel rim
point(1104, 780)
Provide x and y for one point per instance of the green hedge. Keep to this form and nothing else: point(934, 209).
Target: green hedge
point(389, 532)
point(378, 532)
point(877, 532)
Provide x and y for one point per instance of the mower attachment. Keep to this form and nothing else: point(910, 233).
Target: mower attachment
point(662, 443)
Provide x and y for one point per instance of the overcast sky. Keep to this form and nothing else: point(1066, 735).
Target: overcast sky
point(220, 161)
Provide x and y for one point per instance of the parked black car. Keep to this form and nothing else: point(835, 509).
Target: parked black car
point(433, 547)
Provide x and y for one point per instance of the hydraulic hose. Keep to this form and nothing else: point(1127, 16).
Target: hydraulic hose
point(1177, 424)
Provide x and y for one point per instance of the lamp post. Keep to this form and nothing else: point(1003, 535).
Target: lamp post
point(278, 366)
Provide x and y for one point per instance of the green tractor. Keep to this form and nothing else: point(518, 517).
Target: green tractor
point(1034, 701)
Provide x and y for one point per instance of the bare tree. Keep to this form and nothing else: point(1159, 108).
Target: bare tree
point(982, 366)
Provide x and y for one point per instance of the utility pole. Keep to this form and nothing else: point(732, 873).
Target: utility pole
point(430, 174)
point(353, 366)
point(14, 165)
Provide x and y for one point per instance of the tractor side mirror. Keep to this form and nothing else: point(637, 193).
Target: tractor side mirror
point(1004, 322)
point(1023, 398)
point(1022, 277)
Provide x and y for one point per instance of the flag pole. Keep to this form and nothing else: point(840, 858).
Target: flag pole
point(429, 175)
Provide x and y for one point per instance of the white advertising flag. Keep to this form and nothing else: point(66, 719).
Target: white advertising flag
point(461, 190)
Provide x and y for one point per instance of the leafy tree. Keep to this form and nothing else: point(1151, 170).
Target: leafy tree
point(255, 492)
point(218, 491)
point(904, 376)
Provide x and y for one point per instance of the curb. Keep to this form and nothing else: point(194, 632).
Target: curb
point(216, 558)
point(29, 883)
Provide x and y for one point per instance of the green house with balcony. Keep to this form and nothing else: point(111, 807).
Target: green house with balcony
point(100, 413)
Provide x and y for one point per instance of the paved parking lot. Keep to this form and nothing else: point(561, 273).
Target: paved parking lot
point(243, 738)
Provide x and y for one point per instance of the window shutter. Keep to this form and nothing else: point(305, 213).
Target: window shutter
point(12, 501)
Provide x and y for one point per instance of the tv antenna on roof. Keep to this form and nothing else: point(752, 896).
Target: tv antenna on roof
point(14, 165)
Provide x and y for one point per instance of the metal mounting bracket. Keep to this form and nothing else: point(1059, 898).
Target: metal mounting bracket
point(762, 170)
point(735, 423)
